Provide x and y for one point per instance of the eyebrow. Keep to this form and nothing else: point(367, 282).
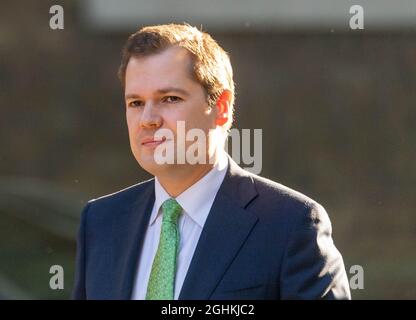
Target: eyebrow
point(160, 91)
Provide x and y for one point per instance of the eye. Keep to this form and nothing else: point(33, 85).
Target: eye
point(171, 99)
point(135, 104)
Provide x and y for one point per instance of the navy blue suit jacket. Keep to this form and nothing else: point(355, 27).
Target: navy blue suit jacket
point(261, 240)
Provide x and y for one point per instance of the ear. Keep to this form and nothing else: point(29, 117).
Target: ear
point(223, 108)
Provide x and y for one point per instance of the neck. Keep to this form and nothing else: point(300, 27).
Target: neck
point(177, 179)
point(177, 182)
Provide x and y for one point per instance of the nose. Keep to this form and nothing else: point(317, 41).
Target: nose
point(150, 118)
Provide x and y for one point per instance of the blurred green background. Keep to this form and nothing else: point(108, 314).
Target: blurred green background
point(337, 109)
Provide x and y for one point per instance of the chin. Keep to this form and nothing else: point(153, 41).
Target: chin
point(149, 164)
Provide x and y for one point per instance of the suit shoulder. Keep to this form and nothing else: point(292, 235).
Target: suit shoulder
point(276, 190)
point(276, 201)
point(124, 195)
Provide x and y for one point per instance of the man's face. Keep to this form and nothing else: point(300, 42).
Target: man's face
point(159, 91)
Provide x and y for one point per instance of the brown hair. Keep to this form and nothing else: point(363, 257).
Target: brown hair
point(211, 64)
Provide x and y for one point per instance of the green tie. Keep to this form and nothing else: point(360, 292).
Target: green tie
point(162, 277)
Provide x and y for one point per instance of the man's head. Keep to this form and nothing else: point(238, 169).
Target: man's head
point(174, 73)
point(210, 64)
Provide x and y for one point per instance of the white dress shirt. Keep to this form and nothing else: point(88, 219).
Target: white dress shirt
point(196, 202)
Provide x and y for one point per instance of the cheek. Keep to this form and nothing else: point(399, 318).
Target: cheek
point(202, 120)
point(132, 119)
point(171, 117)
point(196, 115)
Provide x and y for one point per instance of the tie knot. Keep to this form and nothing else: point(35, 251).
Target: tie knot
point(171, 210)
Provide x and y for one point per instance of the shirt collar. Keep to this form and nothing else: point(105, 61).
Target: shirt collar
point(196, 199)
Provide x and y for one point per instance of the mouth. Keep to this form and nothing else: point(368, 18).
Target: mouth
point(152, 142)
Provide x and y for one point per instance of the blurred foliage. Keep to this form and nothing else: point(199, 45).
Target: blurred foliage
point(337, 112)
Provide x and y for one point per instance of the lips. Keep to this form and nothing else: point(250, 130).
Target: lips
point(152, 142)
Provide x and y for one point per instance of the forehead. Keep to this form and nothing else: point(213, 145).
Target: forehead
point(171, 67)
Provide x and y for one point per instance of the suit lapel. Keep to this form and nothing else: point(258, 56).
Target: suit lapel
point(227, 227)
point(133, 225)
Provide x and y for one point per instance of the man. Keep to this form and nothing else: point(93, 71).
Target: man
point(205, 230)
